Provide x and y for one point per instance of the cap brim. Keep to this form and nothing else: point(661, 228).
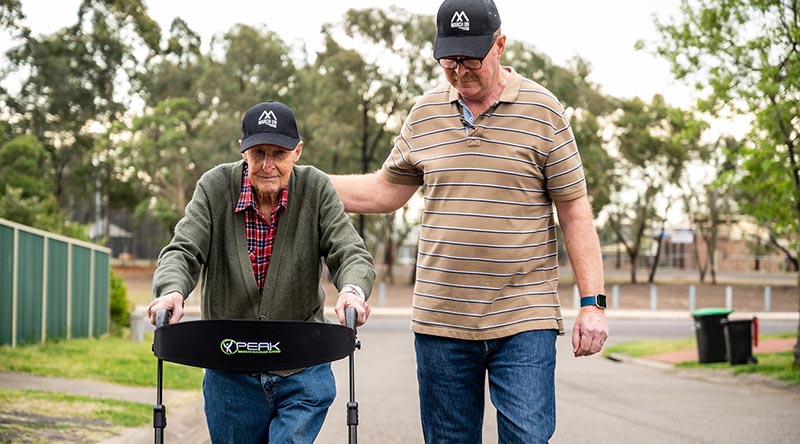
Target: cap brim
point(463, 46)
point(280, 140)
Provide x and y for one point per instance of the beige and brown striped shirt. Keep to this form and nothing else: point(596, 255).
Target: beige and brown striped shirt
point(487, 265)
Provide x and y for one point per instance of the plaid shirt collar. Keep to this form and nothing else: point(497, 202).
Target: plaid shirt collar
point(247, 196)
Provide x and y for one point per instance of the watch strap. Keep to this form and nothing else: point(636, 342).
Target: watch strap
point(598, 300)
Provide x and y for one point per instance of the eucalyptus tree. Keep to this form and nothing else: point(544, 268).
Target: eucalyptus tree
point(654, 141)
point(363, 83)
point(743, 58)
point(165, 151)
point(706, 199)
point(162, 160)
point(357, 93)
point(74, 83)
point(175, 69)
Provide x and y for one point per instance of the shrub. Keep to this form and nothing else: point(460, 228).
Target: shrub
point(119, 305)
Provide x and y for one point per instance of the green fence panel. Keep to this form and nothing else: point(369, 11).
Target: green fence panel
point(6, 283)
point(57, 288)
point(81, 288)
point(51, 286)
point(30, 279)
point(102, 287)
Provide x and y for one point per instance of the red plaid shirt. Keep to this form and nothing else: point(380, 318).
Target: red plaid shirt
point(259, 230)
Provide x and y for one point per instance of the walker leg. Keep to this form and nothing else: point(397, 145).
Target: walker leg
point(159, 410)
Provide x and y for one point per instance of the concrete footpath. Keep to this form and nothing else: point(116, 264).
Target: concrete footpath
point(376, 367)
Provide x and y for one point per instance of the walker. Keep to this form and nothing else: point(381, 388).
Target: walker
point(253, 346)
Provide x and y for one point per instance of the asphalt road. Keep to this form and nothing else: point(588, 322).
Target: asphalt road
point(598, 400)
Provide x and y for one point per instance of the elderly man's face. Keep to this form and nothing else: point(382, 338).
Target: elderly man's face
point(475, 84)
point(270, 167)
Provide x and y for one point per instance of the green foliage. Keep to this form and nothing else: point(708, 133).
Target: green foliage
point(71, 79)
point(167, 158)
point(350, 100)
point(37, 212)
point(21, 161)
point(108, 359)
point(11, 14)
point(119, 306)
point(655, 140)
point(743, 56)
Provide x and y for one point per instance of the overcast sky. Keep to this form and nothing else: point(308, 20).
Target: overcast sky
point(602, 32)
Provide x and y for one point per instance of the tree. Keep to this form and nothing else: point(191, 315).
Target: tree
point(379, 81)
point(654, 142)
point(23, 165)
point(11, 15)
point(357, 93)
point(162, 158)
point(72, 82)
point(743, 56)
point(705, 199)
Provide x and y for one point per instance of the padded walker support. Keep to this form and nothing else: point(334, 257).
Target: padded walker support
point(253, 346)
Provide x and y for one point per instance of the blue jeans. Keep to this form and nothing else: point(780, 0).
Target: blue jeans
point(263, 408)
point(451, 375)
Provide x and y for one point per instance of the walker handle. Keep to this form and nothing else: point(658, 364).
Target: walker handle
point(162, 317)
point(350, 317)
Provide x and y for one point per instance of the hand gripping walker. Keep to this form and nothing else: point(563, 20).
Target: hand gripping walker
point(253, 346)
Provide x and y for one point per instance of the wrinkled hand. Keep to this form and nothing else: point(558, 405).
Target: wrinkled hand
point(171, 301)
point(589, 332)
point(348, 298)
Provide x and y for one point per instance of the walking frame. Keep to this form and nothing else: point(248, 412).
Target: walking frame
point(253, 346)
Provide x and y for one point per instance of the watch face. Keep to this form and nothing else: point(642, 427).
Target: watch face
point(601, 301)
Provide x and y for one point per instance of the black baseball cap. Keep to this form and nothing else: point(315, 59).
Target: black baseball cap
point(270, 123)
point(465, 28)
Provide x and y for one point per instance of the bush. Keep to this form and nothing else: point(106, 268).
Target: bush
point(119, 305)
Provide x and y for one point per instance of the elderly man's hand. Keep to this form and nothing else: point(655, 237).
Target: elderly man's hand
point(171, 301)
point(349, 298)
point(589, 332)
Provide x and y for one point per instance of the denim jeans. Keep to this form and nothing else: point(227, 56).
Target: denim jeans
point(451, 375)
point(263, 408)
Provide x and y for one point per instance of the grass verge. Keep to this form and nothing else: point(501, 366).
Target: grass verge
point(107, 359)
point(775, 365)
point(34, 417)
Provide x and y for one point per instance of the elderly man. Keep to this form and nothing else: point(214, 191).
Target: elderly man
point(256, 230)
point(494, 153)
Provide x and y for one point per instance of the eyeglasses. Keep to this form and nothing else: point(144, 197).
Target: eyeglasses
point(471, 64)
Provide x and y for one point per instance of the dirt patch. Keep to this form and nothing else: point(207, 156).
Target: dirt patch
point(30, 428)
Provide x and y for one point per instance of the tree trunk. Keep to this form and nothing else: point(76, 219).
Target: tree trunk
point(634, 259)
point(389, 250)
point(657, 258)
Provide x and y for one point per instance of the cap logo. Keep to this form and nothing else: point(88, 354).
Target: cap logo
point(268, 118)
point(460, 21)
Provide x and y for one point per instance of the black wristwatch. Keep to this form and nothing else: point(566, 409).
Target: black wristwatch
point(598, 300)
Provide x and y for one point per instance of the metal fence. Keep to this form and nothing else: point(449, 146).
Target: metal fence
point(51, 286)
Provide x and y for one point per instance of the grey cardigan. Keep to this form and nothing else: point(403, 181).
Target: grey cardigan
point(210, 240)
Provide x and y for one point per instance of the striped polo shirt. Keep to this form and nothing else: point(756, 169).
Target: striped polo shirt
point(487, 266)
